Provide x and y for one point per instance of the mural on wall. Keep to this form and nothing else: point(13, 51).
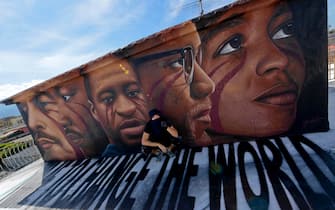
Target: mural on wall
point(61, 124)
point(250, 69)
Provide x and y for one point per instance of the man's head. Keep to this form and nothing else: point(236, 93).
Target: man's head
point(48, 135)
point(173, 81)
point(67, 104)
point(253, 56)
point(118, 102)
point(154, 113)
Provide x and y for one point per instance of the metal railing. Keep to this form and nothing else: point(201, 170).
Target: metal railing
point(17, 154)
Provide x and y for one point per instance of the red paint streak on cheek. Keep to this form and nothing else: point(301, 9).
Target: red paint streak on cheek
point(97, 126)
point(169, 84)
point(215, 97)
point(108, 123)
point(83, 106)
point(210, 74)
point(79, 116)
point(154, 86)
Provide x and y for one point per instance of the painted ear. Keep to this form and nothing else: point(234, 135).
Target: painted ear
point(93, 111)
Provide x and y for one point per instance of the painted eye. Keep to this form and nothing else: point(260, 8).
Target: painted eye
point(43, 104)
point(133, 93)
point(107, 100)
point(107, 97)
point(285, 31)
point(46, 106)
point(177, 63)
point(66, 98)
point(231, 45)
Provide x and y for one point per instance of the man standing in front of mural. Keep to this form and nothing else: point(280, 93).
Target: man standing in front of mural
point(253, 56)
point(117, 103)
point(174, 82)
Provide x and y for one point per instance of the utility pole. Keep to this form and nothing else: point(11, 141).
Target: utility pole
point(201, 8)
point(194, 3)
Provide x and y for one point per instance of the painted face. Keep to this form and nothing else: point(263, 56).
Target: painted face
point(119, 103)
point(68, 106)
point(175, 84)
point(48, 136)
point(258, 68)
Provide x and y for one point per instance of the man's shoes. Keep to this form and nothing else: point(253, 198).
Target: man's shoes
point(176, 140)
point(171, 154)
point(159, 156)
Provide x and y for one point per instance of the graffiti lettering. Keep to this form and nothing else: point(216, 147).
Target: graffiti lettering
point(264, 174)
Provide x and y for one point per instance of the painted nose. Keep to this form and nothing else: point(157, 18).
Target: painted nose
point(35, 117)
point(64, 119)
point(271, 57)
point(124, 106)
point(201, 86)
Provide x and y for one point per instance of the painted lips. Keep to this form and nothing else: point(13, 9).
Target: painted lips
point(203, 116)
point(45, 143)
point(198, 120)
point(131, 128)
point(280, 95)
point(73, 136)
point(201, 113)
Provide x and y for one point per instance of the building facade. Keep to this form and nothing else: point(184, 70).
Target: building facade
point(11, 122)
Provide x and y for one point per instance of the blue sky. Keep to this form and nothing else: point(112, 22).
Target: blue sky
point(331, 13)
point(40, 39)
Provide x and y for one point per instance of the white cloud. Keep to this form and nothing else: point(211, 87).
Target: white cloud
point(96, 18)
point(92, 11)
point(108, 13)
point(72, 54)
point(11, 61)
point(43, 37)
point(30, 66)
point(80, 43)
point(7, 10)
point(8, 90)
point(72, 39)
point(13, 9)
point(175, 7)
point(63, 62)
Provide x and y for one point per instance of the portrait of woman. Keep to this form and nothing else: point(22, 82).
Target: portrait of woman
point(252, 54)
